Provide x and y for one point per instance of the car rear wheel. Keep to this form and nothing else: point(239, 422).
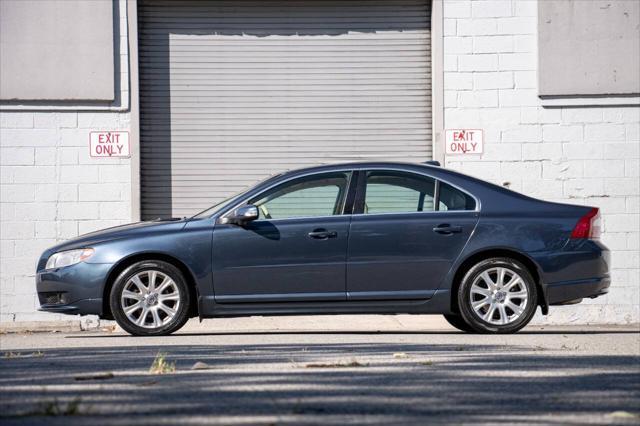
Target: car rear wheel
point(458, 322)
point(497, 295)
point(150, 298)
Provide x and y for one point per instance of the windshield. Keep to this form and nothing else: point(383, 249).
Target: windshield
point(222, 204)
point(208, 212)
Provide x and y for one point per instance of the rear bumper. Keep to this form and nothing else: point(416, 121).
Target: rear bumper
point(578, 272)
point(571, 291)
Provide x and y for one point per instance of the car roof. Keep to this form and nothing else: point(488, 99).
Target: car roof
point(470, 184)
point(360, 165)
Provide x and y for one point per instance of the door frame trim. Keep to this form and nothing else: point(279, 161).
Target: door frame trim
point(281, 297)
point(358, 208)
point(390, 295)
point(439, 303)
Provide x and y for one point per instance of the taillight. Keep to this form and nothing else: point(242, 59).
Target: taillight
point(588, 226)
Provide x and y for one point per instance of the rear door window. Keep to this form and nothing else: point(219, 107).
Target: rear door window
point(388, 191)
point(398, 192)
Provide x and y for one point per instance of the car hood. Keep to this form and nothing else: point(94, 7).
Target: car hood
point(118, 232)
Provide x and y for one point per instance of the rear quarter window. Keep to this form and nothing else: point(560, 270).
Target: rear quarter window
point(452, 199)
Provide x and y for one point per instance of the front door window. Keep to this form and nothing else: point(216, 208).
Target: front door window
point(314, 196)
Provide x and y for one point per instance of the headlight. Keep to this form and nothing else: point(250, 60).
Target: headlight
point(66, 258)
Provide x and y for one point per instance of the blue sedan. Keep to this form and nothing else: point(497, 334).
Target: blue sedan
point(340, 239)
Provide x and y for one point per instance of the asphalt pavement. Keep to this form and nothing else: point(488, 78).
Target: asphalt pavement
point(323, 370)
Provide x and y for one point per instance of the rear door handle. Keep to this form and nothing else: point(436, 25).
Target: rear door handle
point(447, 229)
point(322, 234)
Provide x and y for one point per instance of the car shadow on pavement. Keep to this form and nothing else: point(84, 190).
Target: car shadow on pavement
point(333, 383)
point(352, 332)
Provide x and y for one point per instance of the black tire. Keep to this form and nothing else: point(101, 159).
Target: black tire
point(181, 315)
point(474, 320)
point(458, 322)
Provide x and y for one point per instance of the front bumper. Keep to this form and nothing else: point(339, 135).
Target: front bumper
point(75, 289)
point(81, 307)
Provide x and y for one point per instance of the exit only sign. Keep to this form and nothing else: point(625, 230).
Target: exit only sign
point(109, 144)
point(463, 141)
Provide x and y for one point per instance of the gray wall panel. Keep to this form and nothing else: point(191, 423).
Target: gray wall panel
point(232, 91)
point(57, 50)
point(588, 47)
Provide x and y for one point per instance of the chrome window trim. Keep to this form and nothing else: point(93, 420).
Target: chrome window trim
point(351, 170)
point(365, 215)
point(300, 218)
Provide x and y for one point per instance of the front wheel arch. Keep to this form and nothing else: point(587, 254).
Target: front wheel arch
point(128, 261)
point(479, 256)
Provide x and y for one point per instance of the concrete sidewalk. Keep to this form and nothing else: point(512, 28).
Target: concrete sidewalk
point(324, 370)
point(337, 322)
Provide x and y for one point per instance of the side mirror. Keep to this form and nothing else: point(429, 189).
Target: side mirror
point(243, 214)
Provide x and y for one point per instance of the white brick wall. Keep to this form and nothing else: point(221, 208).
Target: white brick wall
point(52, 190)
point(50, 193)
point(577, 155)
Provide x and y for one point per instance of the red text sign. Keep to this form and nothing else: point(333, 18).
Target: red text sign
point(463, 141)
point(109, 144)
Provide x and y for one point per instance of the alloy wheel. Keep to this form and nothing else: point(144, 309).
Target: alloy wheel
point(499, 296)
point(150, 299)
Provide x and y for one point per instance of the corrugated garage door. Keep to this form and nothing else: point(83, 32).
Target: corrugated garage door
point(232, 91)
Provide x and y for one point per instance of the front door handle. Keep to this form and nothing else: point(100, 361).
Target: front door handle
point(447, 229)
point(322, 234)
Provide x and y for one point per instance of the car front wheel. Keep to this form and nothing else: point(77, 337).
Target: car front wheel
point(150, 298)
point(497, 295)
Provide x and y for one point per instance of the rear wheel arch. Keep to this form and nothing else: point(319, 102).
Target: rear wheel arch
point(128, 261)
point(479, 256)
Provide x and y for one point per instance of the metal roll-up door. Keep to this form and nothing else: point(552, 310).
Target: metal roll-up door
point(234, 90)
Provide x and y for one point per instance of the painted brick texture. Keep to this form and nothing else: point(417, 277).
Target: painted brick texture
point(586, 155)
point(51, 190)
